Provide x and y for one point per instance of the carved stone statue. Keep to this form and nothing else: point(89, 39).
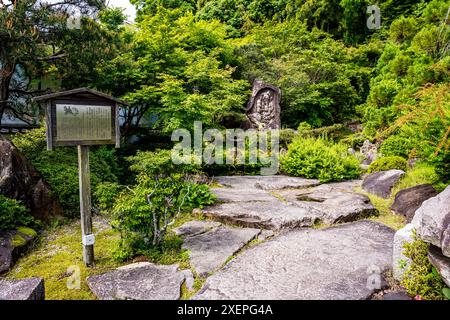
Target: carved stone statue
point(263, 110)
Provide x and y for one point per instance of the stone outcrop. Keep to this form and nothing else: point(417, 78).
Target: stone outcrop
point(441, 262)
point(12, 245)
point(21, 181)
point(26, 289)
point(210, 250)
point(263, 110)
point(381, 183)
point(139, 281)
point(433, 221)
point(339, 263)
point(407, 201)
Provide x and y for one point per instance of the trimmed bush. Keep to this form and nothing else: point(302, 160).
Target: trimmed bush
point(397, 146)
point(320, 159)
point(13, 214)
point(387, 163)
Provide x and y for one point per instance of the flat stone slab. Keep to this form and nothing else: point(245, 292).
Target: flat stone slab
point(210, 250)
point(274, 215)
point(139, 281)
point(266, 182)
point(241, 195)
point(26, 289)
point(343, 262)
point(195, 227)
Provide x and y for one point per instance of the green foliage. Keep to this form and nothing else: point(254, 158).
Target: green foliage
point(60, 167)
point(13, 214)
point(105, 193)
point(421, 278)
point(387, 163)
point(160, 162)
point(321, 159)
point(286, 137)
point(397, 146)
point(143, 213)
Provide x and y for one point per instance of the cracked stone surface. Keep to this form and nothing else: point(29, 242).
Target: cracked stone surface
point(333, 263)
point(210, 250)
point(381, 183)
point(139, 281)
point(195, 227)
point(26, 289)
point(287, 203)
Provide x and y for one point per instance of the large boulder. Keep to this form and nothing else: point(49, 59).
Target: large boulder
point(26, 289)
point(407, 201)
point(139, 281)
point(381, 183)
point(21, 181)
point(339, 263)
point(433, 221)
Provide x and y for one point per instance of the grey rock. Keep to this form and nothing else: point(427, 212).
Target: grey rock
point(26, 289)
point(336, 263)
point(407, 201)
point(189, 279)
point(265, 215)
point(400, 262)
point(381, 183)
point(433, 219)
point(369, 151)
point(21, 181)
point(284, 182)
point(209, 251)
point(195, 227)
point(138, 281)
point(9, 254)
point(239, 195)
point(441, 262)
point(263, 109)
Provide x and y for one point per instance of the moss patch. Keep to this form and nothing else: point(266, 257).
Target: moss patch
point(18, 241)
point(27, 231)
point(59, 249)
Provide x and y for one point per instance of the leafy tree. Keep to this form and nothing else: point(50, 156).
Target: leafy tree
point(34, 36)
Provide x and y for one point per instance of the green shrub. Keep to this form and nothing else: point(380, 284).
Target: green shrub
point(143, 213)
point(286, 137)
point(13, 214)
point(421, 278)
point(60, 167)
point(387, 163)
point(321, 159)
point(397, 146)
point(105, 193)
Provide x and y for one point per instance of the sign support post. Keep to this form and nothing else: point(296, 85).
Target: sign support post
point(82, 117)
point(85, 205)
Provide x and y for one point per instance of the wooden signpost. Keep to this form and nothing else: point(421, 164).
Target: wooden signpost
point(82, 117)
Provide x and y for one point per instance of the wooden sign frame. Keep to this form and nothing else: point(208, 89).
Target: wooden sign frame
point(89, 98)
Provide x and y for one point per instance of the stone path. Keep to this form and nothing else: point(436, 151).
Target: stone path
point(289, 260)
point(279, 202)
point(333, 263)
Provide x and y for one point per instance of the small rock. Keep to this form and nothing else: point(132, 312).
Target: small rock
point(369, 151)
point(189, 279)
point(26, 289)
point(433, 219)
point(139, 281)
point(401, 237)
point(381, 183)
point(210, 250)
point(441, 262)
point(11, 252)
point(195, 227)
point(407, 201)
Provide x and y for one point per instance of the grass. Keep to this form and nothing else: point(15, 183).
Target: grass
point(59, 249)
